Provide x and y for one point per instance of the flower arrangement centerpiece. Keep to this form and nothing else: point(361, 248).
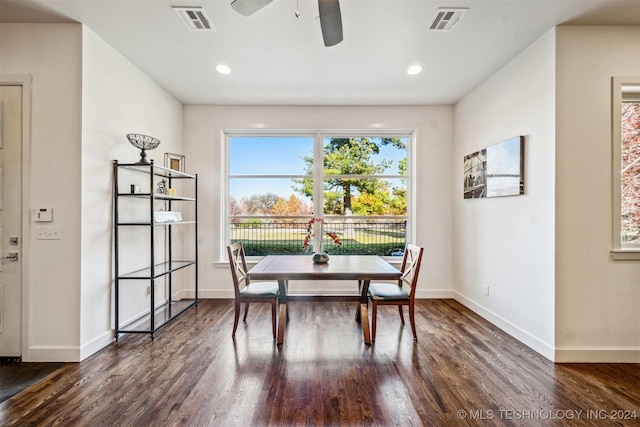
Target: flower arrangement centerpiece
point(321, 256)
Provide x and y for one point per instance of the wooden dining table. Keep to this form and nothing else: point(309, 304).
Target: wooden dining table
point(363, 268)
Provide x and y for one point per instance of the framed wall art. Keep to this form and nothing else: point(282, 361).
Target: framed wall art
point(174, 161)
point(496, 171)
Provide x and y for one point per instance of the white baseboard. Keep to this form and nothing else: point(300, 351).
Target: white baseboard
point(562, 354)
point(521, 335)
point(52, 354)
point(228, 294)
point(214, 294)
point(96, 344)
point(69, 353)
point(185, 294)
point(435, 294)
point(570, 354)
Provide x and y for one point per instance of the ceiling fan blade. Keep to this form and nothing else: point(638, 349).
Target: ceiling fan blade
point(330, 21)
point(248, 7)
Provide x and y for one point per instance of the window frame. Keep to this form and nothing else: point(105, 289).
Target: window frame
point(318, 175)
point(618, 250)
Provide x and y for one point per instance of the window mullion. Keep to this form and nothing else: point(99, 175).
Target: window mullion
point(318, 183)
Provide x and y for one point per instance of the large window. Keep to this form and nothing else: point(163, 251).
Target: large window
point(298, 193)
point(626, 170)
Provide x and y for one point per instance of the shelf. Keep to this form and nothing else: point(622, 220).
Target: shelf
point(174, 223)
point(159, 270)
point(176, 198)
point(155, 223)
point(146, 196)
point(163, 314)
point(158, 245)
point(157, 170)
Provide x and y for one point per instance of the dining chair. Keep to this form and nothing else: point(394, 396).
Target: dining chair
point(401, 293)
point(247, 292)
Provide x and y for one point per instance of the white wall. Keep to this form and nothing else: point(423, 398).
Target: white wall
point(508, 243)
point(597, 299)
point(51, 54)
point(544, 255)
point(433, 125)
point(118, 99)
point(85, 98)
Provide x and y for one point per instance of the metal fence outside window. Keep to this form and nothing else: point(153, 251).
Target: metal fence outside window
point(262, 237)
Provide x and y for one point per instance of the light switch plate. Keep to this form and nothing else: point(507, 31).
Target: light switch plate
point(48, 233)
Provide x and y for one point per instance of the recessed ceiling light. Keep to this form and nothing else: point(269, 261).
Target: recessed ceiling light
point(223, 69)
point(413, 70)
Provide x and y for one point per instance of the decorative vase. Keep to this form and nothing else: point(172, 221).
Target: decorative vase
point(144, 143)
point(320, 257)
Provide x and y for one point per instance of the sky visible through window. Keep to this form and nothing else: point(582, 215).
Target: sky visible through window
point(269, 155)
point(280, 155)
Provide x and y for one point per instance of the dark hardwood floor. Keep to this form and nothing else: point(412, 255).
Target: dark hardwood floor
point(462, 371)
point(15, 375)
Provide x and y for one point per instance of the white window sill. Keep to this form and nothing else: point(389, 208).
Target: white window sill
point(251, 261)
point(625, 254)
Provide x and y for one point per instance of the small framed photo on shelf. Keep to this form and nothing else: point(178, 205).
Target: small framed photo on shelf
point(174, 161)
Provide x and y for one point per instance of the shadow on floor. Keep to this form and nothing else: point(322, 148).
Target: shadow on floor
point(16, 376)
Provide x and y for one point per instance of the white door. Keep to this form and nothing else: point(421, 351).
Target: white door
point(10, 220)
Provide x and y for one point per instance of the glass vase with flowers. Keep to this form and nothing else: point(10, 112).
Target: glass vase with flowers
point(315, 230)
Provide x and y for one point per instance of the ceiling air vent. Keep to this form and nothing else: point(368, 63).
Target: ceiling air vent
point(194, 18)
point(447, 18)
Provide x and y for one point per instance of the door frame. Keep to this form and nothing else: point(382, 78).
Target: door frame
point(25, 81)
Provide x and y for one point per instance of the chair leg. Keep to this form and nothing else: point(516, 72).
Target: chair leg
point(358, 305)
point(235, 320)
point(246, 311)
point(401, 314)
point(413, 322)
point(374, 318)
point(273, 317)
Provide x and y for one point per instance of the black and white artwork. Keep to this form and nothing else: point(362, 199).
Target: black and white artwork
point(496, 171)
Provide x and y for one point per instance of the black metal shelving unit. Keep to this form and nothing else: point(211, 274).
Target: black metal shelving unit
point(162, 312)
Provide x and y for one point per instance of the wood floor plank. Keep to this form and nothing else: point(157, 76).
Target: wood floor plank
point(461, 371)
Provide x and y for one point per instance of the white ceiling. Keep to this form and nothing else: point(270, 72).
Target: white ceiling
point(278, 59)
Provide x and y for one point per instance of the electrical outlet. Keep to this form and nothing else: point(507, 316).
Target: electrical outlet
point(486, 290)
